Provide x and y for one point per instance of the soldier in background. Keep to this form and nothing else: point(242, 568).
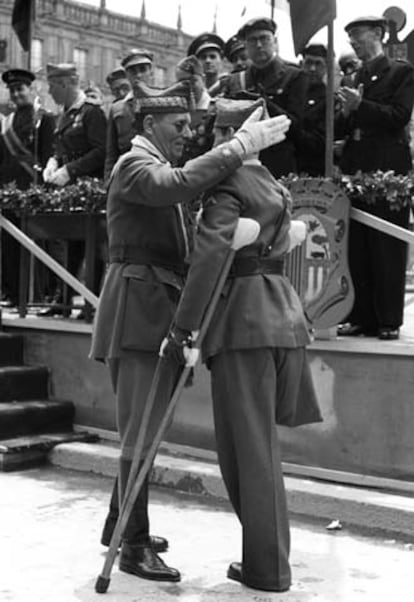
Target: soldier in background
point(209, 49)
point(283, 86)
point(26, 143)
point(236, 53)
point(137, 65)
point(118, 83)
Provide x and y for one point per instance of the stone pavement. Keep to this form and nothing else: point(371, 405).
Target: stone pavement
point(50, 522)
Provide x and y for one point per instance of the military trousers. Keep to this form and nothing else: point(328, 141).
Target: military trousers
point(245, 388)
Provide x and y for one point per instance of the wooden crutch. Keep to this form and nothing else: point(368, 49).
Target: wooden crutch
point(246, 232)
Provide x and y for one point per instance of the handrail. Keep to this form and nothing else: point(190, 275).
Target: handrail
point(45, 258)
point(382, 225)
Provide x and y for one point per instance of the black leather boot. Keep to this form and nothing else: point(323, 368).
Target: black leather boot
point(141, 560)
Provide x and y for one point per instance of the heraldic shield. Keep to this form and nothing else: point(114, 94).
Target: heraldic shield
point(318, 269)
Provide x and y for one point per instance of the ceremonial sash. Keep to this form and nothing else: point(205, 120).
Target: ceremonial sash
point(16, 147)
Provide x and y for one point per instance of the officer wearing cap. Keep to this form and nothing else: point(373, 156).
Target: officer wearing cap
point(209, 49)
point(26, 143)
point(137, 64)
point(149, 243)
point(118, 83)
point(282, 84)
point(236, 53)
point(374, 119)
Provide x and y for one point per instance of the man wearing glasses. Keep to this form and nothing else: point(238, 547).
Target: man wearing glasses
point(282, 84)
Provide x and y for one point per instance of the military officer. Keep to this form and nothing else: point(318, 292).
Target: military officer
point(137, 65)
point(149, 242)
point(26, 143)
point(254, 348)
point(374, 119)
point(118, 83)
point(236, 53)
point(209, 49)
point(282, 84)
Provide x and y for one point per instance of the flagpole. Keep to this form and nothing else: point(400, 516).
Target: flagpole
point(330, 104)
point(272, 9)
point(31, 24)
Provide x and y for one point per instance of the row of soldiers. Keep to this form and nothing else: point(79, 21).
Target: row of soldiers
point(373, 109)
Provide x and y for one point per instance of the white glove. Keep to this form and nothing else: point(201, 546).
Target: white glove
point(297, 233)
point(60, 177)
point(255, 135)
point(49, 170)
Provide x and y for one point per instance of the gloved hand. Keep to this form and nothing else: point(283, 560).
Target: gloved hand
point(255, 135)
point(297, 233)
point(178, 347)
point(60, 177)
point(49, 170)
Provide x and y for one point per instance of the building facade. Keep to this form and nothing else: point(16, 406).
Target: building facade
point(92, 37)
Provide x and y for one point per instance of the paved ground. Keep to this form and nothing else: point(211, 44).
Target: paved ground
point(50, 522)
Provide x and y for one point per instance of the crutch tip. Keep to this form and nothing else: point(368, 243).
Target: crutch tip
point(102, 584)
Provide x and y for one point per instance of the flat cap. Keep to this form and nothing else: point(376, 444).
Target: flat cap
point(137, 56)
point(17, 76)
point(61, 70)
point(259, 23)
point(369, 21)
point(187, 67)
point(233, 44)
point(232, 113)
point(175, 99)
point(204, 41)
point(118, 73)
point(315, 50)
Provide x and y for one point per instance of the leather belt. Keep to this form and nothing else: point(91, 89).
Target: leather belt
point(139, 256)
point(249, 266)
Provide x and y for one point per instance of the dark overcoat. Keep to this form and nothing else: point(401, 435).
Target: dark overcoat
point(120, 131)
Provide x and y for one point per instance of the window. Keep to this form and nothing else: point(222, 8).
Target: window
point(36, 57)
point(80, 58)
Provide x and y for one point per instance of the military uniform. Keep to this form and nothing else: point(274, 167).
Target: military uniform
point(310, 138)
point(120, 131)
point(377, 140)
point(254, 348)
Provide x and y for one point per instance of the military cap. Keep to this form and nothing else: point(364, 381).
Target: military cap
point(257, 24)
point(368, 22)
point(118, 73)
point(61, 70)
point(137, 56)
point(232, 113)
point(233, 44)
point(175, 99)
point(204, 41)
point(188, 66)
point(315, 50)
point(17, 76)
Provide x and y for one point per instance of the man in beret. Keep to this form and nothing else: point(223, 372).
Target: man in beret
point(281, 84)
point(149, 243)
point(137, 64)
point(118, 83)
point(209, 49)
point(254, 348)
point(374, 119)
point(26, 143)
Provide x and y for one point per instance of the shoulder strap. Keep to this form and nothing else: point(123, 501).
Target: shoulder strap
point(15, 146)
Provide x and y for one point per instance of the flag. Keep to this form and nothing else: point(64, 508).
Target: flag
point(22, 15)
point(308, 17)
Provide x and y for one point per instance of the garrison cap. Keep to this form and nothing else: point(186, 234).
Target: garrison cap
point(17, 76)
point(61, 70)
point(233, 44)
point(137, 56)
point(232, 113)
point(187, 67)
point(118, 73)
point(315, 50)
point(175, 99)
point(369, 22)
point(204, 41)
point(259, 23)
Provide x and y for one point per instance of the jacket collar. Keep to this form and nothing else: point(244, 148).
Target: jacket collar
point(141, 143)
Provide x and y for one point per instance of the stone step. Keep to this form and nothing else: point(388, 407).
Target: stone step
point(11, 349)
point(25, 452)
point(23, 382)
point(19, 418)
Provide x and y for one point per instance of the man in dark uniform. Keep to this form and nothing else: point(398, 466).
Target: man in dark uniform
point(26, 143)
point(79, 144)
point(119, 84)
point(138, 68)
point(374, 119)
point(236, 53)
point(281, 84)
point(209, 49)
point(255, 350)
point(310, 138)
point(149, 242)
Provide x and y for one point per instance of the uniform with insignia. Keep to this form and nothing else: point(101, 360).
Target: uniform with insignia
point(377, 140)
